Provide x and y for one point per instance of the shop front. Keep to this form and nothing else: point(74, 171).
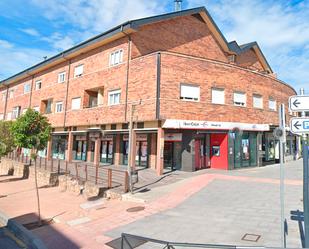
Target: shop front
point(142, 149)
point(172, 150)
point(270, 147)
point(207, 144)
point(107, 150)
point(59, 146)
point(244, 147)
point(80, 147)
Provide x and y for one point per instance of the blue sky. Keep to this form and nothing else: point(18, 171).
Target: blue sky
point(30, 30)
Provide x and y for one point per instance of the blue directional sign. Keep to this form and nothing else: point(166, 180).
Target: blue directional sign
point(299, 125)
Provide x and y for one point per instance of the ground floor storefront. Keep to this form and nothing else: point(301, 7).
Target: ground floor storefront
point(172, 145)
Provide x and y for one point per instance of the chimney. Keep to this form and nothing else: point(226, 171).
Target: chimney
point(177, 5)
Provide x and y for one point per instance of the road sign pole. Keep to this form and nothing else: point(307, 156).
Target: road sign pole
point(281, 153)
point(306, 189)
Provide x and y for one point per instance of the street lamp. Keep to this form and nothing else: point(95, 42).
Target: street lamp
point(130, 151)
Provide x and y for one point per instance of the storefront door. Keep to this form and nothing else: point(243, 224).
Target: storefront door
point(202, 155)
point(58, 147)
point(141, 157)
point(168, 155)
point(218, 152)
point(81, 150)
point(245, 150)
point(107, 152)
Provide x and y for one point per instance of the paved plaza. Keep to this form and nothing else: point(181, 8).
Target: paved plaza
point(208, 206)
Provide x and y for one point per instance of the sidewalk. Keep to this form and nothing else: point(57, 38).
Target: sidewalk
point(80, 223)
point(71, 213)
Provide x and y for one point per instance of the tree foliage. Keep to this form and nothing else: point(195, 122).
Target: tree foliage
point(6, 138)
point(31, 130)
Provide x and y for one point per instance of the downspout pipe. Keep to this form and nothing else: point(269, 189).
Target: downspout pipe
point(127, 74)
point(6, 102)
point(67, 93)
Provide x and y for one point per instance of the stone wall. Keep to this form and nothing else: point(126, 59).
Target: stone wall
point(45, 178)
point(9, 167)
point(69, 183)
point(18, 169)
point(6, 167)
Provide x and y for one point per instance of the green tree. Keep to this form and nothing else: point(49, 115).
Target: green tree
point(6, 138)
point(32, 131)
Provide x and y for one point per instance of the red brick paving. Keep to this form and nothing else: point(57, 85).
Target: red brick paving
point(65, 206)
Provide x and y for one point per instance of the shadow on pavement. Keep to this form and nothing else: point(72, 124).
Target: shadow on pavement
point(13, 179)
point(48, 233)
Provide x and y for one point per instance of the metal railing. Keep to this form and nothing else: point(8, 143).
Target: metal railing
point(81, 171)
point(129, 241)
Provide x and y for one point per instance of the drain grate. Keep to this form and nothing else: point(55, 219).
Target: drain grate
point(251, 237)
point(2, 196)
point(34, 225)
point(135, 209)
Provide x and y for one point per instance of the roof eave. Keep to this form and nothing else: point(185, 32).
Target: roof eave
point(113, 34)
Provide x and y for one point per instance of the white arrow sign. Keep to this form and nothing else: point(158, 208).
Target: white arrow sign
point(299, 125)
point(299, 103)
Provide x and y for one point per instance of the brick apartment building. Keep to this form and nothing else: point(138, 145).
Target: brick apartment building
point(196, 100)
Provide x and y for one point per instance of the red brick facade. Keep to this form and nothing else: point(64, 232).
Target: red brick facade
point(157, 58)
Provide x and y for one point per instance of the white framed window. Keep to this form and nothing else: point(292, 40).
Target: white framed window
point(59, 107)
point(217, 96)
point(189, 92)
point(240, 99)
point(114, 97)
point(257, 101)
point(61, 77)
point(36, 108)
point(3, 95)
point(272, 104)
point(9, 116)
point(27, 88)
point(16, 112)
point(76, 103)
point(38, 85)
point(116, 57)
point(11, 93)
point(78, 71)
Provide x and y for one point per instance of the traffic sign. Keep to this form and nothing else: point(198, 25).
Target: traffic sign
point(299, 103)
point(299, 125)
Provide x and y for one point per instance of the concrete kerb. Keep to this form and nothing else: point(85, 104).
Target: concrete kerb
point(31, 240)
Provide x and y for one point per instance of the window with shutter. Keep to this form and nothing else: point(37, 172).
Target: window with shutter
point(217, 96)
point(239, 99)
point(76, 103)
point(78, 71)
point(189, 92)
point(257, 101)
point(272, 104)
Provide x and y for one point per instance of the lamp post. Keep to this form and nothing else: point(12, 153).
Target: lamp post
point(130, 149)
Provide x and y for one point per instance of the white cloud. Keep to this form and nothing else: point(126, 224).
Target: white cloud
point(97, 15)
point(30, 31)
point(20, 58)
point(281, 30)
point(5, 44)
point(59, 42)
